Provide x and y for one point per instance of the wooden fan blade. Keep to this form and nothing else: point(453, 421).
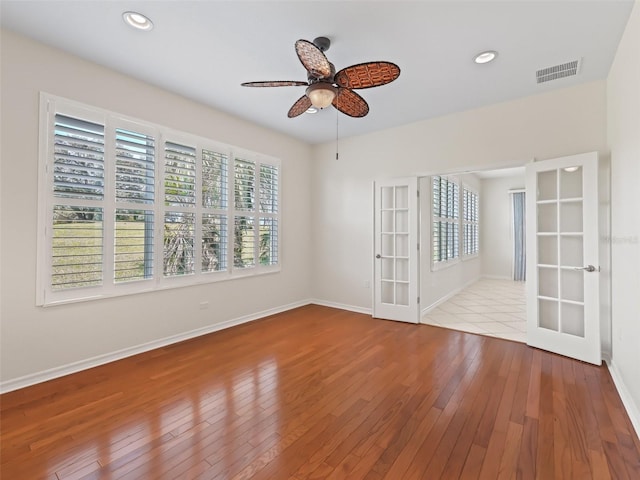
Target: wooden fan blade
point(301, 106)
point(350, 103)
point(275, 83)
point(313, 59)
point(367, 75)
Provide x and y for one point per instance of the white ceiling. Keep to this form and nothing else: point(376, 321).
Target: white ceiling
point(205, 49)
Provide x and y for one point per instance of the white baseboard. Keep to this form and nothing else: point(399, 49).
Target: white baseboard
point(632, 409)
point(342, 306)
point(50, 374)
point(440, 301)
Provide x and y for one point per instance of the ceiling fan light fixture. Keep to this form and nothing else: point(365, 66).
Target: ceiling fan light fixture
point(137, 21)
point(321, 94)
point(311, 109)
point(485, 57)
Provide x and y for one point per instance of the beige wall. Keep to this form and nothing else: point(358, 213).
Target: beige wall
point(35, 339)
point(496, 235)
point(549, 125)
point(623, 97)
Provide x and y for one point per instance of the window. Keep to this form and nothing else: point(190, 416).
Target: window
point(470, 222)
point(127, 206)
point(446, 229)
point(449, 226)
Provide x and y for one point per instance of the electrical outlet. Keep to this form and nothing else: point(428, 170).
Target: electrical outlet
point(204, 305)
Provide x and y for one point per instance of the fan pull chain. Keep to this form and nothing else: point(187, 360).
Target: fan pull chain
point(337, 117)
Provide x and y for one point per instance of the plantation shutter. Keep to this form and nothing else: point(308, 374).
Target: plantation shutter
point(215, 173)
point(135, 189)
point(179, 175)
point(135, 167)
point(268, 222)
point(446, 223)
point(78, 159)
point(244, 234)
point(470, 222)
point(78, 187)
point(179, 198)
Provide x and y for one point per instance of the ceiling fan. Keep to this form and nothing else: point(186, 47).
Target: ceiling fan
point(326, 87)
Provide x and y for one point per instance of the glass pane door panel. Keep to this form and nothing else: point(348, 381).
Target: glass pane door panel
point(548, 281)
point(547, 185)
point(386, 267)
point(572, 316)
point(571, 183)
point(402, 270)
point(387, 292)
point(387, 194)
point(548, 314)
point(402, 197)
point(402, 245)
point(548, 217)
point(402, 294)
point(387, 244)
point(548, 249)
point(571, 217)
point(571, 248)
point(402, 221)
point(572, 282)
point(387, 221)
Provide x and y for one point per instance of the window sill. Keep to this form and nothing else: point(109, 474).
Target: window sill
point(149, 286)
point(435, 267)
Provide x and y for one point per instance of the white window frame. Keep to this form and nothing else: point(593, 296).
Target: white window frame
point(451, 220)
point(50, 105)
point(473, 220)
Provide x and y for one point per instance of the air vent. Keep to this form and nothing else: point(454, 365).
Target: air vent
point(568, 69)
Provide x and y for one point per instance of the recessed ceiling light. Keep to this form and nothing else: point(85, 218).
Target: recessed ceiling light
point(137, 20)
point(485, 57)
point(311, 110)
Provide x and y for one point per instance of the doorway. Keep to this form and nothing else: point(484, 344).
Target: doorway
point(474, 291)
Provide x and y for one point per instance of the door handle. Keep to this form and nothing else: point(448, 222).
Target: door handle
point(588, 268)
point(378, 256)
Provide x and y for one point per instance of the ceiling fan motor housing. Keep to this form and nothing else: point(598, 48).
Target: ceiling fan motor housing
point(323, 43)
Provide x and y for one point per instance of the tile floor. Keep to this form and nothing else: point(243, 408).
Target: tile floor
point(488, 307)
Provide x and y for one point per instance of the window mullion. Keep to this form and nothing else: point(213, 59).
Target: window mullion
point(256, 216)
point(199, 209)
point(108, 217)
point(231, 211)
point(159, 211)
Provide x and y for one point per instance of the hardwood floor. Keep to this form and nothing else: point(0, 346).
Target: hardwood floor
point(321, 393)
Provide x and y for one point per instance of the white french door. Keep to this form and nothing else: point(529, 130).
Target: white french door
point(395, 269)
point(562, 257)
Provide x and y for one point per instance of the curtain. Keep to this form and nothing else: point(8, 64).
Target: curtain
point(520, 247)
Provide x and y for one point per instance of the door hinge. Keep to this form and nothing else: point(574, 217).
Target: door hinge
point(418, 300)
